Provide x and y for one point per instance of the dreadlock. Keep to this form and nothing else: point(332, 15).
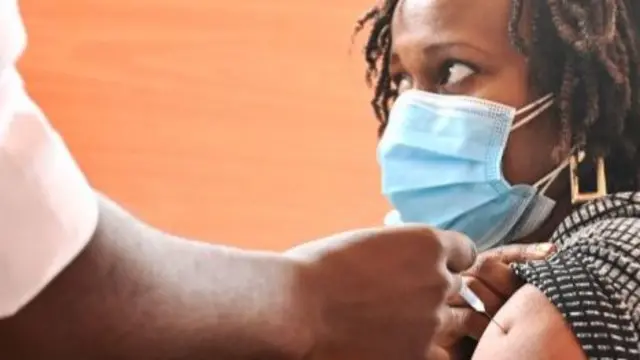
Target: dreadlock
point(583, 51)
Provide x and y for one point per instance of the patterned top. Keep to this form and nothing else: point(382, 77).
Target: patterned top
point(594, 278)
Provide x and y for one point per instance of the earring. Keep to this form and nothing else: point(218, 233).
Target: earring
point(577, 196)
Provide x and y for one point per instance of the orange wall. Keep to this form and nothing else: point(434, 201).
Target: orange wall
point(245, 124)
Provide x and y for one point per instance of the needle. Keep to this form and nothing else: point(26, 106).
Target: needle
point(474, 301)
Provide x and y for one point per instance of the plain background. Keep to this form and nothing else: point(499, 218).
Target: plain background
point(239, 122)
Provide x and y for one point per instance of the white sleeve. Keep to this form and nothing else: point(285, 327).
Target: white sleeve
point(48, 211)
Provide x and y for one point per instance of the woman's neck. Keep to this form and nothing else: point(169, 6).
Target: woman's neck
point(562, 209)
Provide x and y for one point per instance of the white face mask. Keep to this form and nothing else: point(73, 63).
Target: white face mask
point(441, 162)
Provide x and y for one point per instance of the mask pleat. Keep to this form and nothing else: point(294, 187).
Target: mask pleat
point(440, 159)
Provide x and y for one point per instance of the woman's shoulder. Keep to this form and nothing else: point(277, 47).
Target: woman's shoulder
point(616, 216)
point(594, 278)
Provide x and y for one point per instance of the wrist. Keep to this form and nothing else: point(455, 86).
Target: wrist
point(286, 316)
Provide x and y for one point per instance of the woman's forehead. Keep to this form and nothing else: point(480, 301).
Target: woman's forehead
point(477, 22)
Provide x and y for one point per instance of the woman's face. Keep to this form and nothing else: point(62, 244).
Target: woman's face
point(462, 47)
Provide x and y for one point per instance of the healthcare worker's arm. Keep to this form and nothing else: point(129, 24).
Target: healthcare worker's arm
point(137, 293)
point(122, 291)
point(82, 279)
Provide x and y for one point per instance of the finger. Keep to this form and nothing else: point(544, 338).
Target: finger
point(459, 251)
point(459, 322)
point(455, 284)
point(449, 332)
point(495, 275)
point(522, 252)
point(458, 319)
point(492, 301)
point(469, 323)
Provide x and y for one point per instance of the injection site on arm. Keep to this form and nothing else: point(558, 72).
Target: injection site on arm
point(535, 330)
point(48, 211)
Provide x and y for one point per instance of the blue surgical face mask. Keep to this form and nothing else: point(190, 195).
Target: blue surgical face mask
point(441, 157)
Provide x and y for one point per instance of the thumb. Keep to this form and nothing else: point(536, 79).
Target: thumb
point(524, 252)
point(459, 250)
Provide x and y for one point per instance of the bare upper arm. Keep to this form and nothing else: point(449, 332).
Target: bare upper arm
point(536, 330)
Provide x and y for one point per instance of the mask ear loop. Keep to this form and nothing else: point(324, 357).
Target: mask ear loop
point(534, 104)
point(543, 184)
point(546, 102)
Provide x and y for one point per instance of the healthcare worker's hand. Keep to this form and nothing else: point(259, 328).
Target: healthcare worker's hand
point(376, 294)
point(492, 279)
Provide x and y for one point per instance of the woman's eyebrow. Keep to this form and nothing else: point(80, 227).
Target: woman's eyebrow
point(449, 46)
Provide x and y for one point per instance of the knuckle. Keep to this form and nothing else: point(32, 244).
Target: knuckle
point(462, 317)
point(486, 264)
point(429, 233)
point(499, 253)
point(460, 322)
point(419, 246)
point(515, 252)
point(519, 249)
point(438, 321)
point(432, 242)
point(473, 283)
point(445, 331)
point(418, 236)
point(482, 264)
point(419, 230)
point(505, 252)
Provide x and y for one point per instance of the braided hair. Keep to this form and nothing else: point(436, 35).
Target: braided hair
point(585, 52)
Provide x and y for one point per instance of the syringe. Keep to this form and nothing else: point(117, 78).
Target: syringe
point(474, 301)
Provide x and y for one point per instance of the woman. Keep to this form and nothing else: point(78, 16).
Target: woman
point(519, 121)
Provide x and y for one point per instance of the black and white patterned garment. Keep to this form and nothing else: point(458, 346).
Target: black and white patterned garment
point(594, 278)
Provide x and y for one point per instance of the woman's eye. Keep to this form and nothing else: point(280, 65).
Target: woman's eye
point(455, 72)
